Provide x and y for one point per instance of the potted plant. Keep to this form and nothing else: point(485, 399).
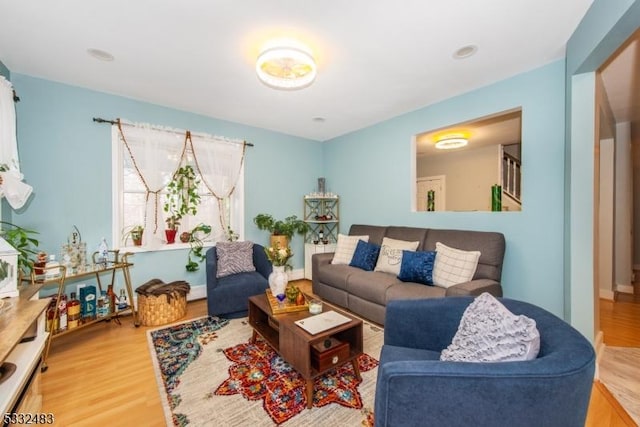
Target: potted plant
point(196, 237)
point(23, 241)
point(282, 231)
point(182, 199)
point(135, 233)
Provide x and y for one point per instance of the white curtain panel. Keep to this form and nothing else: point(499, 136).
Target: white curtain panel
point(154, 152)
point(12, 187)
point(220, 162)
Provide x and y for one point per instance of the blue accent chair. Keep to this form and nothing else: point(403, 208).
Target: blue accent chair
point(228, 296)
point(414, 388)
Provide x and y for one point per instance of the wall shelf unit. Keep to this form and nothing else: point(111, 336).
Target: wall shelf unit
point(322, 214)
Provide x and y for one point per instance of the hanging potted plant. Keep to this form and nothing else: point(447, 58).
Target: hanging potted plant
point(182, 199)
point(282, 231)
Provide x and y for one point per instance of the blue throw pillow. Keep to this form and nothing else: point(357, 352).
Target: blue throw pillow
point(417, 266)
point(365, 255)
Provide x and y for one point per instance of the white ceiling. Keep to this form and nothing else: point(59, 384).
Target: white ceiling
point(376, 58)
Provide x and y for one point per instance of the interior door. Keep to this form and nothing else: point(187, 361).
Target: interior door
point(424, 185)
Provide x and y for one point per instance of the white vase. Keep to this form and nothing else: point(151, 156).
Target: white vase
point(278, 280)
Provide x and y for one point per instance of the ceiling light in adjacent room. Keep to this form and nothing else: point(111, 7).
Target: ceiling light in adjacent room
point(286, 65)
point(451, 141)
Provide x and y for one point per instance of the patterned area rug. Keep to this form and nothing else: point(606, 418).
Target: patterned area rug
point(209, 373)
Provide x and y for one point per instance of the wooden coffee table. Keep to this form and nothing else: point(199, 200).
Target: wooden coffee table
point(301, 349)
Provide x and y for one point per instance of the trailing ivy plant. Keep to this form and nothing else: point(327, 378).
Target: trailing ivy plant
point(23, 241)
point(196, 240)
point(182, 196)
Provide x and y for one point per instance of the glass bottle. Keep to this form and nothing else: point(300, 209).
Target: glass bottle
point(52, 268)
point(52, 320)
point(122, 301)
point(102, 305)
point(73, 312)
point(62, 313)
point(103, 253)
point(111, 299)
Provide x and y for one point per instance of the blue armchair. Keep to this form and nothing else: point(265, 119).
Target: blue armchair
point(227, 296)
point(414, 388)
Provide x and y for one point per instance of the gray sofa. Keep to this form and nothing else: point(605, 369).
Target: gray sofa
point(367, 292)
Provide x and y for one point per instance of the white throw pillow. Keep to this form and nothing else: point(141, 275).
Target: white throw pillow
point(489, 332)
point(390, 258)
point(345, 248)
point(453, 266)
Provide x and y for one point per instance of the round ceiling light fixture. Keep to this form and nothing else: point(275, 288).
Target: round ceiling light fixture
point(449, 142)
point(100, 54)
point(286, 65)
point(465, 51)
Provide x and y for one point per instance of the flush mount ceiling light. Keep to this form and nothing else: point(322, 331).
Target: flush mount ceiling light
point(465, 51)
point(451, 141)
point(102, 55)
point(286, 65)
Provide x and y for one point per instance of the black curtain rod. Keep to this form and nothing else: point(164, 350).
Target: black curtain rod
point(114, 122)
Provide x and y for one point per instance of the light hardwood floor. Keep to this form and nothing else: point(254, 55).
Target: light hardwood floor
point(102, 375)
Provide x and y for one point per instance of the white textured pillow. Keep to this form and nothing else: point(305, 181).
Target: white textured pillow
point(345, 248)
point(390, 258)
point(453, 266)
point(489, 332)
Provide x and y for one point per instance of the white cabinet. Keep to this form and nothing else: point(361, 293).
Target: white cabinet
point(309, 250)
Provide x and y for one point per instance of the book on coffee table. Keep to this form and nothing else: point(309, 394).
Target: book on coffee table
point(322, 322)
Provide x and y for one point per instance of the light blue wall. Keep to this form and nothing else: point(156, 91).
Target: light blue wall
point(607, 24)
point(370, 170)
point(66, 157)
point(4, 71)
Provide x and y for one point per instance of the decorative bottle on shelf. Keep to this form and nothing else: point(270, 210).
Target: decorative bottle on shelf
point(73, 312)
point(321, 236)
point(52, 320)
point(111, 299)
point(122, 301)
point(103, 253)
point(102, 306)
point(52, 268)
point(62, 313)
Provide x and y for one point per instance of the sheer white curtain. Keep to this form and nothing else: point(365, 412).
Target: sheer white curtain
point(219, 161)
point(153, 151)
point(12, 187)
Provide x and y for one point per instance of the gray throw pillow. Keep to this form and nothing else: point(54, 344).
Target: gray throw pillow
point(489, 332)
point(234, 257)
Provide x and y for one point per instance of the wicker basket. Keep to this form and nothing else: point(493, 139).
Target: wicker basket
point(161, 309)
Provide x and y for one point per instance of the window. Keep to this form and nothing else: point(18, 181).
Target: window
point(144, 162)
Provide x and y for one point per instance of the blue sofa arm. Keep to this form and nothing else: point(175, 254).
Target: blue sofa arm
point(261, 262)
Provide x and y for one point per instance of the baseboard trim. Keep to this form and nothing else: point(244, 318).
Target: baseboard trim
point(197, 292)
point(627, 289)
point(607, 294)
